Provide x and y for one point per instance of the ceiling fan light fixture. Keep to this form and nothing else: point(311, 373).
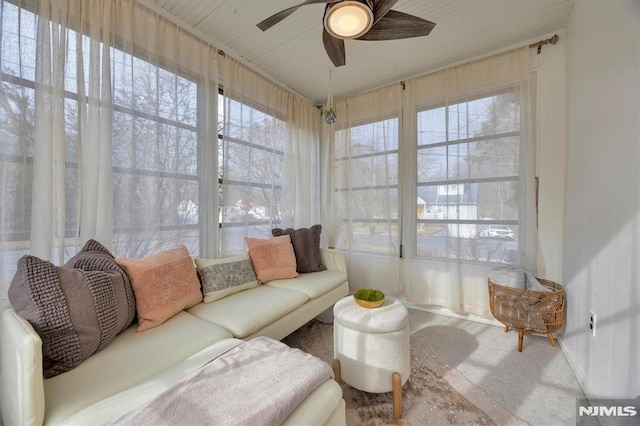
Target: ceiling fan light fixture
point(348, 19)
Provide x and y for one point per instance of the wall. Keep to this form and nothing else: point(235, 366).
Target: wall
point(602, 215)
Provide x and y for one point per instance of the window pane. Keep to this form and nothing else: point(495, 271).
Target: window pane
point(381, 204)
point(378, 137)
point(366, 194)
point(16, 200)
point(486, 201)
point(18, 42)
point(155, 157)
point(468, 165)
point(432, 164)
point(495, 114)
point(16, 119)
point(432, 126)
point(374, 237)
point(251, 165)
point(442, 241)
point(370, 171)
point(232, 235)
point(245, 203)
point(250, 124)
point(492, 158)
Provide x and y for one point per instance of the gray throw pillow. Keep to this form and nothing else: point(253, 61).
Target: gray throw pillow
point(306, 246)
point(223, 277)
point(77, 309)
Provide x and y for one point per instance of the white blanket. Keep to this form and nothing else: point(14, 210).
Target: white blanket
point(259, 382)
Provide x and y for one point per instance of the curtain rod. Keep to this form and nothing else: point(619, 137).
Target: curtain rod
point(552, 40)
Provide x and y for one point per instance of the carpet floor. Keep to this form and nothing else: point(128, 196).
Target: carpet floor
point(464, 372)
point(435, 394)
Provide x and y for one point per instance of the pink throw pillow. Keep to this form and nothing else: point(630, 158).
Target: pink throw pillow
point(164, 284)
point(272, 258)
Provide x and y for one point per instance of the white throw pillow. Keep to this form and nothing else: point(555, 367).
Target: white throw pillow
point(508, 277)
point(533, 283)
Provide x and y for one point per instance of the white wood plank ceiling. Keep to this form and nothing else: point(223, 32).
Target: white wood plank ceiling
point(292, 53)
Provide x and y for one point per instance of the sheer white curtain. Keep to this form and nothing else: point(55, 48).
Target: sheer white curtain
point(164, 101)
point(468, 129)
point(302, 206)
point(366, 188)
point(103, 124)
point(56, 182)
point(432, 182)
point(111, 129)
point(269, 150)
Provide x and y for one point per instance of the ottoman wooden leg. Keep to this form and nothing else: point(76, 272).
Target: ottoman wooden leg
point(336, 371)
point(550, 337)
point(397, 396)
point(520, 339)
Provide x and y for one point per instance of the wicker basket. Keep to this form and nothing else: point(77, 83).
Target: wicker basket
point(530, 311)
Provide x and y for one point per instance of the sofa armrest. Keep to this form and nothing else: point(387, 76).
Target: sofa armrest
point(333, 259)
point(21, 380)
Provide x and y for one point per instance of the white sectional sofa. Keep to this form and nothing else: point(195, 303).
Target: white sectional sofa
point(137, 366)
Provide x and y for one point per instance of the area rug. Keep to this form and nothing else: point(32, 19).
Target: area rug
point(435, 394)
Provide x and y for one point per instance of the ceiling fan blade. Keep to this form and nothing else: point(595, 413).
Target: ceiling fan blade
point(277, 17)
point(397, 25)
point(381, 8)
point(334, 47)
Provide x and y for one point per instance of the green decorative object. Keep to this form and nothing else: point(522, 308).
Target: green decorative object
point(329, 115)
point(369, 297)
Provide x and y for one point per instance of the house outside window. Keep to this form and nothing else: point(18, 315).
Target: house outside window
point(468, 171)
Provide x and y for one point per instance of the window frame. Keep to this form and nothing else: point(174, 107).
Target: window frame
point(22, 237)
point(518, 178)
point(349, 222)
point(223, 140)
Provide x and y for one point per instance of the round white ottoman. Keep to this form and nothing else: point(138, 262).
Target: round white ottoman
point(371, 347)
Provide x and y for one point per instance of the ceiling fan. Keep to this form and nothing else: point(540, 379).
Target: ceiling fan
point(371, 20)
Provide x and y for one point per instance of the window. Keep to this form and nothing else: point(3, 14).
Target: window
point(468, 168)
point(155, 158)
point(16, 134)
point(108, 131)
point(366, 193)
point(251, 158)
point(154, 145)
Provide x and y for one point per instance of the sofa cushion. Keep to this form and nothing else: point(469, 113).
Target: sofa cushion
point(222, 277)
point(77, 309)
point(312, 284)
point(248, 311)
point(272, 258)
point(131, 359)
point(319, 405)
point(110, 409)
point(164, 284)
point(306, 246)
point(324, 402)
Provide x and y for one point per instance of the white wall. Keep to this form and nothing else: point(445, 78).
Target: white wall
point(602, 196)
